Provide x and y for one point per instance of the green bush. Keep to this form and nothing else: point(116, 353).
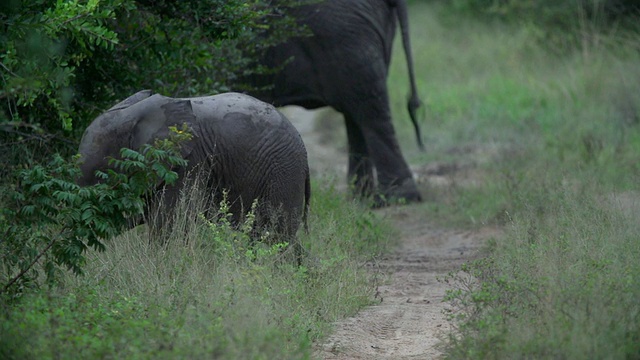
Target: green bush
point(50, 221)
point(83, 324)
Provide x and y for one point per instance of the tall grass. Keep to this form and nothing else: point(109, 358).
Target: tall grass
point(563, 282)
point(495, 97)
point(209, 292)
point(552, 138)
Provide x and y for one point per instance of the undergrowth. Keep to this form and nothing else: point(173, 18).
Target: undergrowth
point(209, 291)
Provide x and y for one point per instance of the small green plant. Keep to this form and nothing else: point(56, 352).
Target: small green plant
point(84, 324)
point(240, 242)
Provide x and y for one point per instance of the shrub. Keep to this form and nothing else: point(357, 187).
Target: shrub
point(51, 221)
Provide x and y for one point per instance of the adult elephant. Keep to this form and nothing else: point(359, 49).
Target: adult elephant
point(240, 144)
point(344, 64)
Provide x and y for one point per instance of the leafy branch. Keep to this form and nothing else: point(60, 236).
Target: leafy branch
point(51, 221)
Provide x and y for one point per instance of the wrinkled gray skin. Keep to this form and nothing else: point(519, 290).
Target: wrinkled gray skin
point(240, 143)
point(344, 65)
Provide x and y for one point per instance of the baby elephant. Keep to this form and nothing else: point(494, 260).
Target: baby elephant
point(240, 145)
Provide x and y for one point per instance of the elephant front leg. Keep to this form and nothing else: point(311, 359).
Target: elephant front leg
point(360, 172)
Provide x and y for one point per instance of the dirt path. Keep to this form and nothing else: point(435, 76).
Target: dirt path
point(409, 322)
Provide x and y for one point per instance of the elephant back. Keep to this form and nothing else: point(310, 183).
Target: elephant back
point(241, 122)
point(255, 153)
point(133, 99)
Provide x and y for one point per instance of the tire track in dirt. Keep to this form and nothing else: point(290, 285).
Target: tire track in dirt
point(409, 321)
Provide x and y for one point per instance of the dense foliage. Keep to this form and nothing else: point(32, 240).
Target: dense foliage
point(63, 62)
point(208, 292)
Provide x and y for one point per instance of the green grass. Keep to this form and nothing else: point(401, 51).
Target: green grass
point(563, 282)
point(206, 294)
point(518, 105)
point(554, 141)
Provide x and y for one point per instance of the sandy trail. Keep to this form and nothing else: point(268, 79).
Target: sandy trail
point(409, 322)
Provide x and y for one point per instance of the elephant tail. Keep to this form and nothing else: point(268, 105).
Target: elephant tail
point(414, 101)
point(307, 199)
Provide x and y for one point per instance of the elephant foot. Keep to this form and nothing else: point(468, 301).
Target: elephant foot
point(402, 193)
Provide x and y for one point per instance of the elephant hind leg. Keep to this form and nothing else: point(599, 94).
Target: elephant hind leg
point(373, 144)
point(360, 172)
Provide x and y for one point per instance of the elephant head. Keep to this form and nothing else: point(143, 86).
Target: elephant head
point(131, 123)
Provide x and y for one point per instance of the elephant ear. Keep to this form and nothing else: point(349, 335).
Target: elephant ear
point(155, 125)
point(135, 98)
